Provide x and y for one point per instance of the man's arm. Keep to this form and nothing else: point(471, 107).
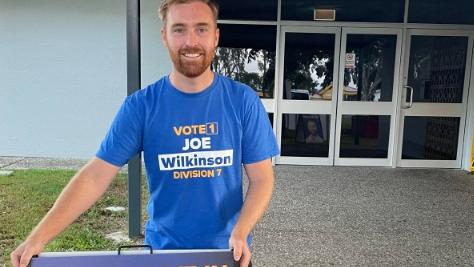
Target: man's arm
point(84, 189)
point(261, 179)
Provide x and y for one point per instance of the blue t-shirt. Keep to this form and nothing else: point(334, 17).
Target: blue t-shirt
point(194, 146)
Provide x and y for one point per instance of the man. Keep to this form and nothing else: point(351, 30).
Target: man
point(195, 129)
point(313, 133)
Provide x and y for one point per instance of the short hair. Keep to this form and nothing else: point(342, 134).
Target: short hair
point(165, 5)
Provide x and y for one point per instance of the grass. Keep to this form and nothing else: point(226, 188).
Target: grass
point(27, 195)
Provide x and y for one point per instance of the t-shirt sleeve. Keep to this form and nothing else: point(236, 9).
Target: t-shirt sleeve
point(124, 138)
point(258, 142)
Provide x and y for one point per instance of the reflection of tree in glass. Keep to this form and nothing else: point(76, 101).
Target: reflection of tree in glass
point(304, 67)
point(254, 67)
point(368, 72)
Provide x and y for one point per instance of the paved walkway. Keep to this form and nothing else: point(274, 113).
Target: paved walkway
point(18, 163)
point(356, 216)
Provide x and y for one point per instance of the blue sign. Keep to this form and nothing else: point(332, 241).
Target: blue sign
point(141, 258)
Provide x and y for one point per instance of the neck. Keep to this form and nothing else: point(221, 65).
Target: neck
point(191, 85)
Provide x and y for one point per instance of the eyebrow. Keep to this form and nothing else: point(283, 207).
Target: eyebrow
point(200, 24)
point(177, 25)
point(203, 24)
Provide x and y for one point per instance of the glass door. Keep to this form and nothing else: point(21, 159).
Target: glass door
point(306, 101)
point(368, 82)
point(434, 99)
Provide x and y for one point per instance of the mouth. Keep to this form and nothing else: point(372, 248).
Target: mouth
point(191, 55)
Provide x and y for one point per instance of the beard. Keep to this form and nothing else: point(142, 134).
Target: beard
point(191, 67)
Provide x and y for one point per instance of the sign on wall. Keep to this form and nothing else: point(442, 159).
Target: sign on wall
point(350, 61)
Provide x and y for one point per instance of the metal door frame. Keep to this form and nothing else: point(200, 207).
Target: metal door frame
point(425, 109)
point(307, 107)
point(369, 108)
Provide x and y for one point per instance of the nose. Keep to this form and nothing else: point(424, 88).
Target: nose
point(191, 39)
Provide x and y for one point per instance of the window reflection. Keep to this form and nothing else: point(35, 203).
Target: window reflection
point(305, 135)
point(253, 67)
point(369, 67)
point(433, 138)
point(248, 9)
point(309, 63)
point(270, 117)
point(364, 136)
point(246, 53)
point(441, 12)
point(437, 67)
point(346, 10)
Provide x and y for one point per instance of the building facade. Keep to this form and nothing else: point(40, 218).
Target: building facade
point(376, 83)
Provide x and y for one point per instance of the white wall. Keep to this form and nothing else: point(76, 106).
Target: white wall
point(63, 73)
point(155, 59)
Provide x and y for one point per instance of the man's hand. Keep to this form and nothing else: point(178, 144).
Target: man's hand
point(258, 196)
point(241, 249)
point(22, 255)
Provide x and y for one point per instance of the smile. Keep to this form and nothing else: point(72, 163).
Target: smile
point(192, 55)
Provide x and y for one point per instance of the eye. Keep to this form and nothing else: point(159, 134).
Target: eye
point(178, 30)
point(202, 29)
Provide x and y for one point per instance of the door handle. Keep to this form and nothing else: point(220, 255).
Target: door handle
point(410, 103)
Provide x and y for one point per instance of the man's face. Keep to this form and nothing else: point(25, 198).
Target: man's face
point(312, 129)
point(191, 36)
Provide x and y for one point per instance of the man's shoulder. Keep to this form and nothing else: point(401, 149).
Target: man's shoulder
point(155, 86)
point(238, 89)
point(233, 83)
point(149, 91)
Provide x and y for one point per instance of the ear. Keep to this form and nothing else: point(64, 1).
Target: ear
point(216, 43)
point(164, 38)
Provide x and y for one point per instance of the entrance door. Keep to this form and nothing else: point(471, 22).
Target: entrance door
point(320, 74)
point(434, 99)
point(368, 90)
point(306, 100)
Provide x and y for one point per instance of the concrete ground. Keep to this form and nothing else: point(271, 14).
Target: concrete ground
point(355, 216)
